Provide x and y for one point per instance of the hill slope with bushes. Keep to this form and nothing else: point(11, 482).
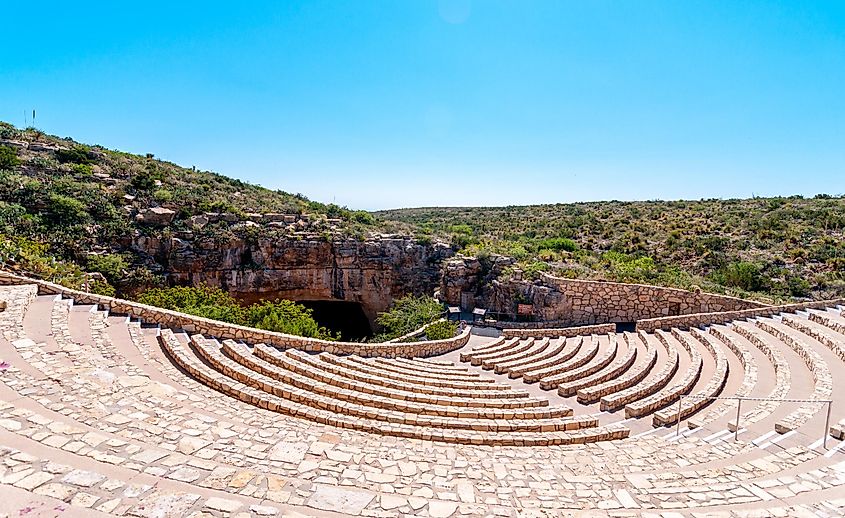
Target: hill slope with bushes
point(770, 249)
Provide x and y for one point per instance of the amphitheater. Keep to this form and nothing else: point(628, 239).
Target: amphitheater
point(114, 408)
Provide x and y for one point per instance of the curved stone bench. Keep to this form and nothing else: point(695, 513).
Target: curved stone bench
point(783, 375)
point(248, 394)
point(304, 364)
point(650, 385)
point(500, 344)
point(820, 332)
point(356, 363)
point(611, 372)
point(388, 365)
point(539, 346)
point(585, 353)
point(822, 379)
point(567, 348)
point(591, 394)
point(749, 379)
point(593, 365)
point(211, 353)
point(354, 394)
point(699, 399)
point(551, 349)
point(431, 368)
point(670, 394)
point(523, 345)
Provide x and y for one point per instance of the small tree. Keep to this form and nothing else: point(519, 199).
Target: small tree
point(407, 314)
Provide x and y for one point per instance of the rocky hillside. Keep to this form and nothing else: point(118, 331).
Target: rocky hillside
point(770, 249)
point(67, 208)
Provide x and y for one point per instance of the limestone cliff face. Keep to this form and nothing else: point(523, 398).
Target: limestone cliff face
point(372, 272)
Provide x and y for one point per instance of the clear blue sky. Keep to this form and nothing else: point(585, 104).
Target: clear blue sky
point(380, 104)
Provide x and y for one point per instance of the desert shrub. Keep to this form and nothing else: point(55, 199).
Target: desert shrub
point(74, 155)
point(64, 210)
point(285, 316)
point(407, 314)
point(162, 195)
point(112, 266)
point(82, 169)
point(8, 158)
point(741, 274)
point(363, 217)
point(558, 244)
point(441, 330)
point(101, 288)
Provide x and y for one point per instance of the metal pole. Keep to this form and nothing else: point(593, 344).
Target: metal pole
point(826, 425)
point(738, 408)
point(678, 429)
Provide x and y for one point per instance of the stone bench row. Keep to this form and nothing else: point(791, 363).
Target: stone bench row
point(507, 349)
point(355, 393)
point(612, 372)
point(826, 321)
point(588, 350)
point(499, 344)
point(822, 379)
point(595, 364)
point(749, 379)
point(499, 363)
point(631, 377)
point(261, 399)
point(566, 349)
point(651, 385)
point(820, 332)
point(669, 394)
point(320, 364)
point(363, 365)
point(700, 399)
point(389, 365)
point(431, 368)
point(345, 402)
point(551, 348)
point(783, 375)
point(302, 363)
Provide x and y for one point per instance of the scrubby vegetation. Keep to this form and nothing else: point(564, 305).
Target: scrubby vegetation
point(67, 208)
point(408, 314)
point(282, 316)
point(771, 249)
point(441, 330)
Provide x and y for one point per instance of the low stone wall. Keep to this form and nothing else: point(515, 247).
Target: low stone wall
point(590, 302)
point(532, 325)
point(706, 319)
point(563, 331)
point(222, 330)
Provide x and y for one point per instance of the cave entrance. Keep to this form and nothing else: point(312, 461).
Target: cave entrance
point(342, 316)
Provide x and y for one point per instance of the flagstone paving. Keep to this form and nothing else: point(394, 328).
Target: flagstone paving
point(96, 417)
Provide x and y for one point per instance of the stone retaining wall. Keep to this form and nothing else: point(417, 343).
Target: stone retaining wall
point(590, 302)
point(706, 319)
point(222, 330)
point(563, 331)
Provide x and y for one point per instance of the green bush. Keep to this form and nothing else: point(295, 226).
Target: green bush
point(8, 158)
point(112, 266)
point(558, 244)
point(441, 330)
point(74, 155)
point(407, 314)
point(65, 210)
point(742, 275)
point(283, 316)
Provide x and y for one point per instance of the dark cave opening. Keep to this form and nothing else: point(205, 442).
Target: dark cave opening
point(348, 318)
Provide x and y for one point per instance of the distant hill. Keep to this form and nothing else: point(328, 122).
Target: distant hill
point(765, 248)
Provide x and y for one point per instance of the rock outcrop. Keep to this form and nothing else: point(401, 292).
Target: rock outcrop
point(372, 272)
